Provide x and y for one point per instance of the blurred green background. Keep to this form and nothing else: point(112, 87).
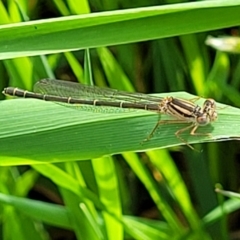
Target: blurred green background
point(152, 47)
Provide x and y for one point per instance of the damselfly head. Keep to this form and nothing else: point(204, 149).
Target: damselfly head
point(209, 107)
point(208, 113)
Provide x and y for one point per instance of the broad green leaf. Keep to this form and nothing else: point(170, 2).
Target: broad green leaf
point(34, 131)
point(115, 27)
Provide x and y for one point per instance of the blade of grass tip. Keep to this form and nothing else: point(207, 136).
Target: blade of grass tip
point(215, 215)
point(84, 227)
point(26, 182)
point(22, 10)
point(63, 9)
point(73, 169)
point(92, 221)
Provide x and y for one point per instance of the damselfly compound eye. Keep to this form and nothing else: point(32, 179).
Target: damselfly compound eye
point(203, 120)
point(213, 116)
point(209, 108)
point(209, 104)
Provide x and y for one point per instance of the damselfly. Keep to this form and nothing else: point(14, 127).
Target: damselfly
point(184, 111)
